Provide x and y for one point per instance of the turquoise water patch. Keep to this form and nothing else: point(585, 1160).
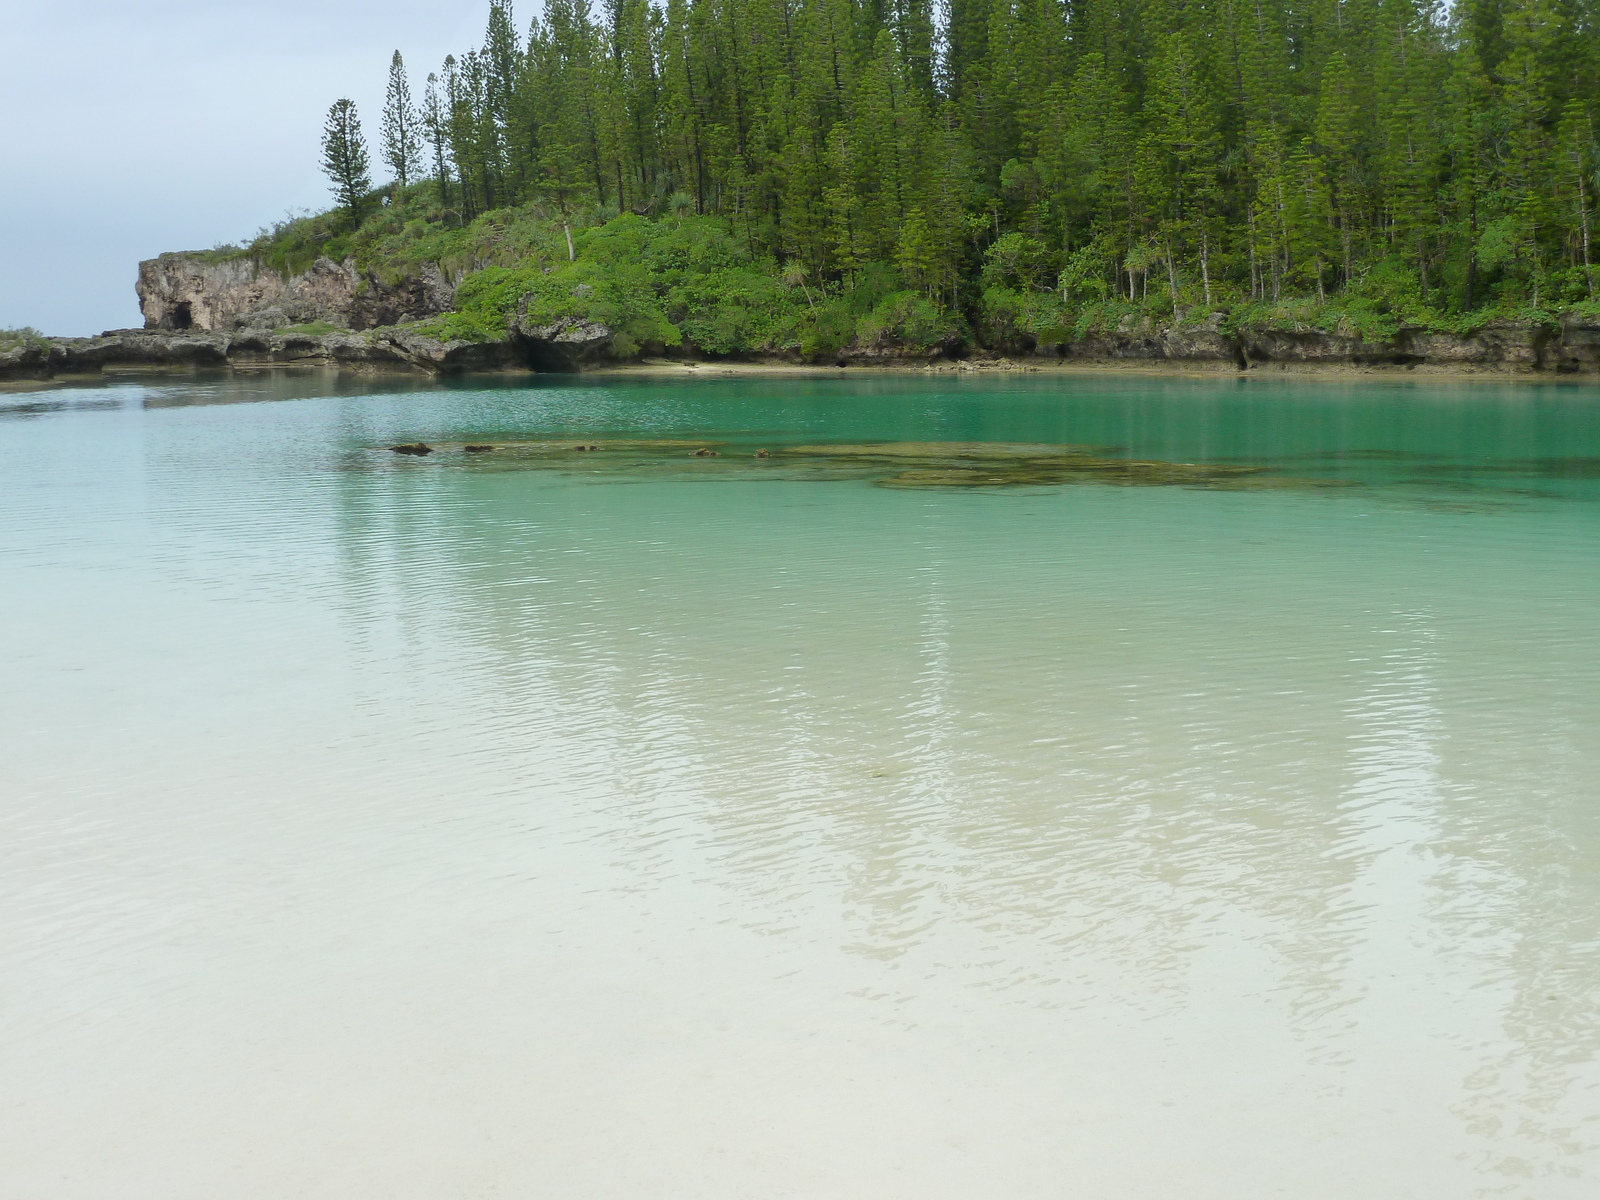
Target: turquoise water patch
point(645, 823)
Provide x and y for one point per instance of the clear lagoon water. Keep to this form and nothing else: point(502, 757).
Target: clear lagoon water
point(376, 826)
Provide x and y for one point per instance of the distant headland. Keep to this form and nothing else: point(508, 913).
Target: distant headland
point(1405, 187)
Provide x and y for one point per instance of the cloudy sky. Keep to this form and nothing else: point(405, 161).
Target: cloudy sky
point(132, 128)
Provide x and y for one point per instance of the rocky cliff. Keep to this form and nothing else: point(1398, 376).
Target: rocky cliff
point(200, 292)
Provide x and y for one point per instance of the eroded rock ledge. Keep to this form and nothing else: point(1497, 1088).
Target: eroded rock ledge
point(1515, 347)
point(1572, 348)
point(145, 349)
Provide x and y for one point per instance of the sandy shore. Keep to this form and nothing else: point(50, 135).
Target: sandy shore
point(1041, 366)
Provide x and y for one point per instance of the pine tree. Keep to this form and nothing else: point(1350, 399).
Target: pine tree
point(1336, 135)
point(344, 157)
point(402, 140)
point(436, 127)
point(1178, 159)
point(916, 255)
point(1579, 163)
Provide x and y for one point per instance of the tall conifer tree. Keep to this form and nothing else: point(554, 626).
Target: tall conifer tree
point(401, 132)
point(344, 157)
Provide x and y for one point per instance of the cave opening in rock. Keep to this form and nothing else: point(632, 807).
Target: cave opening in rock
point(542, 355)
point(182, 316)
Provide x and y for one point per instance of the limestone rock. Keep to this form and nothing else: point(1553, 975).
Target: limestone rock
point(118, 349)
point(563, 345)
point(1579, 346)
point(199, 291)
point(452, 357)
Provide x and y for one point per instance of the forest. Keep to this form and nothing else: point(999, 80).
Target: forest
point(1003, 170)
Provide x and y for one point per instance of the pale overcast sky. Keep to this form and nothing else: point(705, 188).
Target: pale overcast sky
point(129, 128)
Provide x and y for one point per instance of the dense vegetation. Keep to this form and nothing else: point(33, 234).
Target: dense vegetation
point(737, 171)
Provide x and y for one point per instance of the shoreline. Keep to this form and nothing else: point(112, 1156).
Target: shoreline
point(731, 368)
point(1156, 368)
point(1569, 351)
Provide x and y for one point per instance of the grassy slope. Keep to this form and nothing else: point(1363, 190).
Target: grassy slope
point(656, 283)
point(666, 282)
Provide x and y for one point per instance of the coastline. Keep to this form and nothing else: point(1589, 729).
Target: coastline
point(205, 316)
point(1047, 366)
point(112, 367)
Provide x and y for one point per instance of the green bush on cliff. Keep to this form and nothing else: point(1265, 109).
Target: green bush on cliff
point(653, 283)
point(485, 303)
point(21, 338)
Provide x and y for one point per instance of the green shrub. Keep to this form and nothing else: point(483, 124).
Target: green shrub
point(21, 339)
point(908, 320)
point(1011, 317)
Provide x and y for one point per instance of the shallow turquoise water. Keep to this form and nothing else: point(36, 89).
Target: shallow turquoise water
point(377, 826)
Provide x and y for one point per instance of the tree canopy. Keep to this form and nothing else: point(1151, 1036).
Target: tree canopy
point(997, 152)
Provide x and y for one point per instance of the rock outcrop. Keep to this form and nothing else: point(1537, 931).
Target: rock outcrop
point(569, 344)
point(131, 349)
point(1507, 347)
point(180, 292)
point(383, 350)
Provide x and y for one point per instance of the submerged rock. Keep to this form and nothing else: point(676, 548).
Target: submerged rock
point(1117, 472)
point(967, 450)
point(910, 465)
point(899, 464)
